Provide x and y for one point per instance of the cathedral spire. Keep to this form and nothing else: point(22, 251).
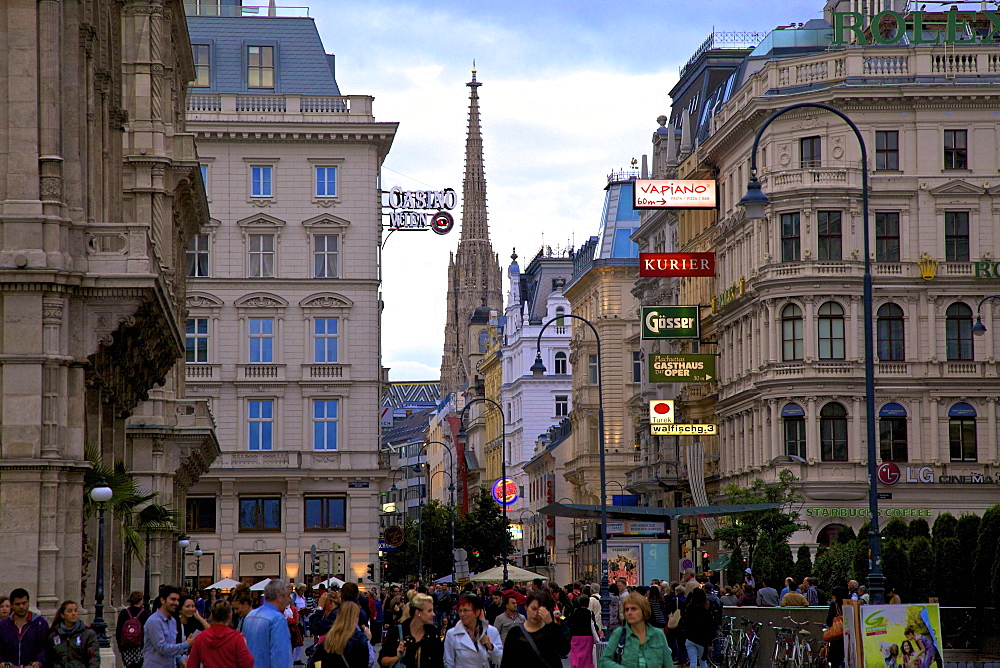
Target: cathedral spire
point(474, 223)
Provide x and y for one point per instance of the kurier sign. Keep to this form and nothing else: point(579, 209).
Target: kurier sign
point(675, 194)
point(925, 27)
point(670, 322)
point(676, 265)
point(685, 368)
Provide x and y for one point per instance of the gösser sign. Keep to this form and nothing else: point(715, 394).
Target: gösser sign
point(420, 210)
point(675, 194)
point(670, 322)
point(952, 31)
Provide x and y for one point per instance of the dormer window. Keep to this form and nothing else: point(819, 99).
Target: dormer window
point(260, 67)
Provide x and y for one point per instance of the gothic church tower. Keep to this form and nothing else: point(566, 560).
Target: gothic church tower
point(473, 270)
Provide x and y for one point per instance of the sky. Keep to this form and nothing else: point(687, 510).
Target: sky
point(571, 91)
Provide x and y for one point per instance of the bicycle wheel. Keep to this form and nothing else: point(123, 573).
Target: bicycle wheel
point(753, 652)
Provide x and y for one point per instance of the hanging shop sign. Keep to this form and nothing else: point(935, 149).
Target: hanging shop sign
point(671, 322)
point(504, 491)
point(890, 473)
point(675, 194)
point(676, 265)
point(926, 27)
point(686, 368)
point(421, 210)
point(661, 411)
point(683, 429)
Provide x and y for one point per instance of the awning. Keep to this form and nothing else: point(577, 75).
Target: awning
point(580, 511)
point(719, 563)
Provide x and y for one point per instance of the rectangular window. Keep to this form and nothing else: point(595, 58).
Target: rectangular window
point(636, 366)
point(791, 242)
point(261, 256)
point(204, 8)
point(260, 514)
point(962, 439)
point(833, 439)
point(202, 66)
point(260, 424)
point(197, 256)
point(204, 177)
point(828, 229)
point(326, 253)
point(892, 439)
point(887, 236)
point(325, 424)
point(200, 515)
point(562, 405)
point(326, 182)
point(795, 436)
point(886, 149)
point(956, 236)
point(593, 371)
point(810, 152)
point(327, 513)
point(260, 67)
point(196, 341)
point(260, 181)
point(956, 149)
point(325, 342)
point(261, 340)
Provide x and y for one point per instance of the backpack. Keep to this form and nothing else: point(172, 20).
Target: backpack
point(132, 632)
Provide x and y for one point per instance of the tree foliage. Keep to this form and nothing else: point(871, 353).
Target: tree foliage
point(833, 566)
point(967, 533)
point(923, 582)
point(745, 530)
point(918, 528)
point(948, 573)
point(896, 566)
point(734, 570)
point(896, 528)
point(986, 555)
point(945, 526)
point(803, 564)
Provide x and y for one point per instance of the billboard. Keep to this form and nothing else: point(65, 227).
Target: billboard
point(902, 634)
point(624, 562)
point(675, 194)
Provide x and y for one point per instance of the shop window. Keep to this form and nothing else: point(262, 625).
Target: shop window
point(833, 432)
point(958, 333)
point(792, 348)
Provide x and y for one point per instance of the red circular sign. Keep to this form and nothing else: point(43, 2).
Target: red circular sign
point(442, 222)
point(393, 536)
point(662, 409)
point(888, 474)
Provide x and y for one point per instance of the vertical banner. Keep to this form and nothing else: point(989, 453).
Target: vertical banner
point(624, 561)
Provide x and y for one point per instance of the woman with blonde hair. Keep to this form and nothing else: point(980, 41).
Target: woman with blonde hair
point(346, 645)
point(414, 642)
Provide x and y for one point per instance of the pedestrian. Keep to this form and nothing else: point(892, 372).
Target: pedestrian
point(789, 586)
point(748, 597)
point(160, 647)
point(495, 608)
point(190, 619)
point(811, 593)
point(266, 630)
point(767, 596)
point(592, 593)
point(794, 599)
point(200, 603)
point(241, 604)
point(70, 643)
point(582, 634)
point(345, 645)
point(675, 638)
point(472, 643)
point(727, 598)
point(637, 643)
point(4, 607)
point(658, 617)
point(413, 642)
point(699, 627)
point(220, 646)
point(748, 578)
point(294, 631)
point(319, 624)
point(508, 619)
point(23, 634)
point(539, 642)
point(836, 644)
point(128, 630)
point(863, 597)
point(891, 597)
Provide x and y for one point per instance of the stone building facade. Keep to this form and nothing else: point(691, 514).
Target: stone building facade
point(99, 193)
point(283, 329)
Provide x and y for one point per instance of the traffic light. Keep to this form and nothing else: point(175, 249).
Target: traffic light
point(313, 560)
point(371, 572)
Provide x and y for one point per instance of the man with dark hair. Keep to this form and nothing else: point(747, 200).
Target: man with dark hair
point(23, 634)
point(320, 623)
point(160, 631)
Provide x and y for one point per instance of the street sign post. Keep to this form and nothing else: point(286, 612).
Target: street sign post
point(671, 322)
point(681, 368)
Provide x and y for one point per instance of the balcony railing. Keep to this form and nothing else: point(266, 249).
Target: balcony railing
point(201, 372)
point(326, 372)
point(261, 372)
point(235, 107)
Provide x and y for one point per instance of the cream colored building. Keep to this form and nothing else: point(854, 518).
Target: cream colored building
point(791, 375)
point(283, 306)
point(99, 190)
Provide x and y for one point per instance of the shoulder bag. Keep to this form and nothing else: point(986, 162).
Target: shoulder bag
point(835, 630)
point(534, 646)
point(621, 644)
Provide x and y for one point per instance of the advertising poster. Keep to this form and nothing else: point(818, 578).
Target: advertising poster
point(624, 562)
point(852, 635)
point(902, 635)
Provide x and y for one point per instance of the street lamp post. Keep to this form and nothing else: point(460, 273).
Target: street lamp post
point(538, 370)
point(979, 328)
point(462, 437)
point(754, 204)
point(452, 514)
point(183, 543)
point(197, 561)
point(451, 492)
point(145, 578)
point(100, 494)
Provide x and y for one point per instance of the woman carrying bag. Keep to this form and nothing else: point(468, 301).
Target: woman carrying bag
point(539, 642)
point(834, 633)
point(345, 645)
point(583, 634)
point(414, 642)
point(637, 643)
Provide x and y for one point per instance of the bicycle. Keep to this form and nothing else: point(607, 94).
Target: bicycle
point(723, 651)
point(793, 646)
point(748, 644)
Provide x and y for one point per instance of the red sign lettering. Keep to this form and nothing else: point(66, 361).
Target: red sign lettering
point(676, 264)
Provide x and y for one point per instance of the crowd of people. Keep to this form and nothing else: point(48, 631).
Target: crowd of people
point(482, 626)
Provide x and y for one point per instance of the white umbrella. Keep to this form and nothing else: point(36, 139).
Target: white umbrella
point(330, 583)
point(224, 583)
point(514, 573)
point(260, 585)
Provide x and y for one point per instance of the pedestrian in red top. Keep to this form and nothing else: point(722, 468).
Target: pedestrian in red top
point(220, 646)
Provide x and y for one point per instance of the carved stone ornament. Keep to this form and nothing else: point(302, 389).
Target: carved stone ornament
point(325, 203)
point(51, 187)
point(197, 301)
point(261, 203)
point(261, 302)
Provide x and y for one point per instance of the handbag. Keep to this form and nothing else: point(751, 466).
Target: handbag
point(836, 630)
point(674, 620)
point(621, 644)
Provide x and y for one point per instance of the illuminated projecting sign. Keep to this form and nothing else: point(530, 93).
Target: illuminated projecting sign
point(683, 429)
point(676, 265)
point(670, 322)
point(661, 411)
point(675, 194)
point(421, 210)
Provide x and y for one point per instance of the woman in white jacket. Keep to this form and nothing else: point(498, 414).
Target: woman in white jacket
point(473, 643)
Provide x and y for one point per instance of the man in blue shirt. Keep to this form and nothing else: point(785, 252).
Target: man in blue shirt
point(160, 631)
point(266, 628)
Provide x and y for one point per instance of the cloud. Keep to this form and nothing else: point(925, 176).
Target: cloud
point(410, 370)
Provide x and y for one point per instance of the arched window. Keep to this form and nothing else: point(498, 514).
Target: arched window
point(791, 333)
point(829, 534)
point(831, 331)
point(833, 432)
point(891, 346)
point(962, 433)
point(892, 433)
point(794, 420)
point(560, 363)
point(958, 332)
point(560, 320)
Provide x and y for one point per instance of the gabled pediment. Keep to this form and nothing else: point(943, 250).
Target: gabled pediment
point(202, 300)
point(261, 300)
point(957, 187)
point(326, 220)
point(261, 220)
point(326, 300)
point(995, 191)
